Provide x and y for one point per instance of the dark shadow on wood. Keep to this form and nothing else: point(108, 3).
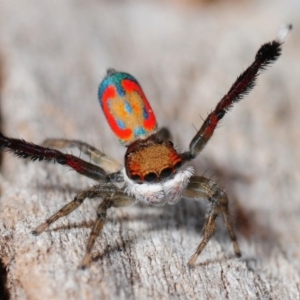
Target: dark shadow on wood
point(1, 89)
point(4, 293)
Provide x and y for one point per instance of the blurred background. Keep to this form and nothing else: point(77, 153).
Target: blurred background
point(186, 55)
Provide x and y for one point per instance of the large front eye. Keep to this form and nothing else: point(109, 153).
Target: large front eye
point(150, 177)
point(165, 173)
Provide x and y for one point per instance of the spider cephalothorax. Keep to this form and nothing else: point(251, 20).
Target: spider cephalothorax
point(151, 160)
point(154, 170)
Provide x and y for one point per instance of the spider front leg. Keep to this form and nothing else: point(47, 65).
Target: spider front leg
point(24, 149)
point(201, 187)
point(104, 161)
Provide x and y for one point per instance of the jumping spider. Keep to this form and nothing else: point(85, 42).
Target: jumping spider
point(153, 169)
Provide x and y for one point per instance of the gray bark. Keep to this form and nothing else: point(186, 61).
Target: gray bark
point(54, 55)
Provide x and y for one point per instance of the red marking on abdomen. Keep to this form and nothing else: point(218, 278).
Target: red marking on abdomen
point(150, 123)
point(109, 94)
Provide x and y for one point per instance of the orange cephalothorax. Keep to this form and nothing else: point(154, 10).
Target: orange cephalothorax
point(151, 160)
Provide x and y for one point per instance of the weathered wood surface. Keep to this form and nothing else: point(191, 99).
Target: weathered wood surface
point(55, 53)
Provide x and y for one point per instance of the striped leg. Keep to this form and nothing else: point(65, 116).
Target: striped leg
point(24, 149)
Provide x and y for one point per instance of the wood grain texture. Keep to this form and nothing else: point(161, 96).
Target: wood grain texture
point(55, 53)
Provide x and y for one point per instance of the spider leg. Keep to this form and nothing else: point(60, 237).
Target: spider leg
point(107, 163)
point(101, 218)
point(117, 200)
point(265, 56)
point(24, 149)
point(113, 197)
point(201, 187)
point(68, 208)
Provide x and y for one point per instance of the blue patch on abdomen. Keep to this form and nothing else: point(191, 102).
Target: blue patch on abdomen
point(140, 131)
point(121, 124)
point(128, 107)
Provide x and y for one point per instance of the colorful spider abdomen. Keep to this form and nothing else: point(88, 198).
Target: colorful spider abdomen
point(126, 107)
point(151, 160)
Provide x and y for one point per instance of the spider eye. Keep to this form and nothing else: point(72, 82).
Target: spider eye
point(171, 143)
point(178, 165)
point(165, 173)
point(137, 178)
point(150, 177)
